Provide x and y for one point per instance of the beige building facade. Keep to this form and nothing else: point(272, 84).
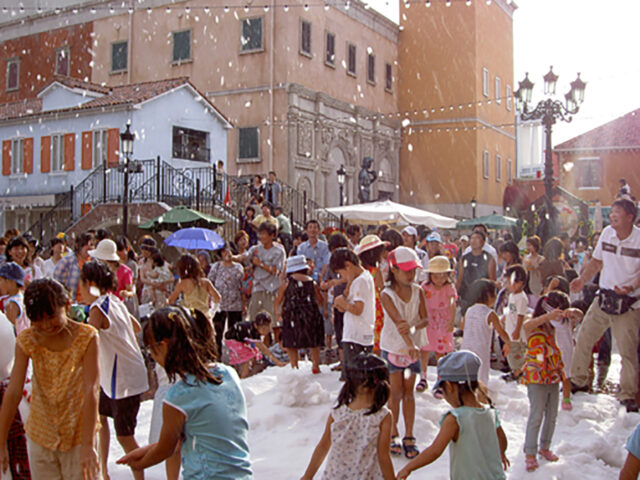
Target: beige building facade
point(303, 87)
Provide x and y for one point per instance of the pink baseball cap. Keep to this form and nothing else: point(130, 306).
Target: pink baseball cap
point(404, 258)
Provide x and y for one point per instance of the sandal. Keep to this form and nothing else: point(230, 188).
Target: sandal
point(548, 455)
point(409, 447)
point(336, 368)
point(396, 446)
point(566, 404)
point(531, 464)
point(422, 385)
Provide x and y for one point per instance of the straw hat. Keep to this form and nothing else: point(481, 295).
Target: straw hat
point(369, 242)
point(439, 264)
point(106, 251)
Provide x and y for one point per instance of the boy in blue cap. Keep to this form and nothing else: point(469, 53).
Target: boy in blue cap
point(12, 285)
point(478, 443)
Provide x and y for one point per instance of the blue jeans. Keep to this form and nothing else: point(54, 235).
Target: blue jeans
point(543, 410)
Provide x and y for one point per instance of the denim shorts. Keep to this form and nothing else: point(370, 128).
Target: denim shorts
point(413, 368)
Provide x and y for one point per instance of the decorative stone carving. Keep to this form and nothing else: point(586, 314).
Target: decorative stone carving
point(305, 138)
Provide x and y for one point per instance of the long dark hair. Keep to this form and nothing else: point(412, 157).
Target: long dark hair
point(191, 348)
point(512, 249)
point(100, 274)
point(370, 258)
point(188, 266)
point(369, 371)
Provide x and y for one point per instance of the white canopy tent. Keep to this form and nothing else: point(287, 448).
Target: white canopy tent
point(388, 212)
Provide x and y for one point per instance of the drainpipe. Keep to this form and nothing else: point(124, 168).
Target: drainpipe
point(130, 42)
point(271, 92)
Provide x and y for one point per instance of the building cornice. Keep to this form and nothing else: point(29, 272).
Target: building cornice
point(479, 120)
point(596, 149)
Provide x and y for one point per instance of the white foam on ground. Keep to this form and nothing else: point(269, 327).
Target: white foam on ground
point(288, 411)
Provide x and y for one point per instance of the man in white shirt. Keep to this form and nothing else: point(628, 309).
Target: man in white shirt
point(49, 265)
point(617, 258)
point(487, 247)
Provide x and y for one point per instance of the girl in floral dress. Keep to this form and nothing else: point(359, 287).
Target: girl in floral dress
point(358, 430)
point(542, 374)
point(370, 251)
point(441, 298)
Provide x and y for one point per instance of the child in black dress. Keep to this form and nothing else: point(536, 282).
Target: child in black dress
point(296, 306)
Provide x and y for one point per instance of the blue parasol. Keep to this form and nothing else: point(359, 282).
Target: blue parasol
point(195, 239)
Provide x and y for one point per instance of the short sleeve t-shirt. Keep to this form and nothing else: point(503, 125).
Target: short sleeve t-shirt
point(518, 304)
point(215, 429)
point(228, 282)
point(620, 260)
point(359, 328)
point(125, 277)
point(633, 443)
point(264, 281)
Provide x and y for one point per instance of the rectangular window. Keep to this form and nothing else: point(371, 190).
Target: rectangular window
point(388, 77)
point(305, 38)
point(99, 156)
point(330, 49)
point(119, 56)
point(62, 61)
point(509, 171)
point(371, 68)
point(251, 34)
point(248, 143)
point(351, 59)
point(57, 152)
point(485, 82)
point(181, 46)
point(13, 74)
point(498, 90)
point(485, 164)
point(508, 94)
point(190, 144)
point(17, 156)
point(498, 168)
point(589, 173)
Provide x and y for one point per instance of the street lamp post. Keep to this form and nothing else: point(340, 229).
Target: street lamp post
point(474, 204)
point(549, 111)
point(341, 179)
point(126, 138)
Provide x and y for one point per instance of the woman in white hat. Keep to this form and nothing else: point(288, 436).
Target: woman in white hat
point(107, 251)
point(296, 308)
point(370, 250)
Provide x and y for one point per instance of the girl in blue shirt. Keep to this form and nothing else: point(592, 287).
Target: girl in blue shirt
point(205, 404)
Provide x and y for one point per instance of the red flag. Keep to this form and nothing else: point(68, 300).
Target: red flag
point(227, 197)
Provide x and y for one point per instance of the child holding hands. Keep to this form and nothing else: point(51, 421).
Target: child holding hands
point(473, 432)
point(403, 333)
point(358, 430)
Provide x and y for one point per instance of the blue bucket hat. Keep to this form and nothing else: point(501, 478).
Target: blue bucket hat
point(297, 263)
point(461, 366)
point(12, 271)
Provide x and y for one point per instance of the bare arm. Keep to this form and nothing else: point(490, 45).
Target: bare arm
point(211, 290)
point(91, 387)
point(631, 468)
point(492, 269)
point(10, 402)
point(384, 453)
point(589, 269)
point(172, 426)
point(98, 319)
point(12, 312)
point(534, 323)
point(460, 276)
point(176, 292)
point(320, 452)
point(495, 322)
point(277, 302)
point(401, 324)
point(448, 432)
point(502, 441)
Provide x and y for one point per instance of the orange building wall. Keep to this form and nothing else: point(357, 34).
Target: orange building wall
point(37, 59)
point(614, 166)
point(441, 54)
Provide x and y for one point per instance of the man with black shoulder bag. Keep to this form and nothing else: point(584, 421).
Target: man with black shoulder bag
point(617, 303)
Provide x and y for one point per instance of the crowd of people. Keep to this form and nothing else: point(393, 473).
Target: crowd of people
point(99, 325)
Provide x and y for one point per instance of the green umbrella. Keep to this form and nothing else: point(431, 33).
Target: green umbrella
point(491, 221)
point(181, 217)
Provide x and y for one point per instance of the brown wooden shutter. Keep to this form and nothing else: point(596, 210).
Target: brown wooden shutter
point(27, 155)
point(6, 157)
point(69, 151)
point(87, 149)
point(45, 154)
point(113, 139)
